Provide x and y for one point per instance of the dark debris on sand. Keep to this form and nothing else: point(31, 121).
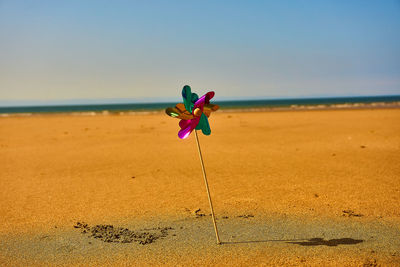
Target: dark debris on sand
point(198, 213)
point(351, 213)
point(111, 234)
point(246, 216)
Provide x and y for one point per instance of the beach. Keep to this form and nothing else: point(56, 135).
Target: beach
point(304, 187)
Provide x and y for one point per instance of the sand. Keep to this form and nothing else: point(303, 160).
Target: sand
point(317, 187)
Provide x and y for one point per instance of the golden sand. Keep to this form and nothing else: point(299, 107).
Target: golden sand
point(278, 180)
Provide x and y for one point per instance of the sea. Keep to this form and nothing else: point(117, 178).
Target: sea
point(325, 102)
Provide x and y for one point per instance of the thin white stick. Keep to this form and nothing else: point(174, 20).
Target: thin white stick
point(208, 190)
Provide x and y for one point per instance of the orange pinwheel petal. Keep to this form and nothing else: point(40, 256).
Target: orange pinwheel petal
point(179, 112)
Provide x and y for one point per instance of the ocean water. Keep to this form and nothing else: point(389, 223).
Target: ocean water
point(237, 104)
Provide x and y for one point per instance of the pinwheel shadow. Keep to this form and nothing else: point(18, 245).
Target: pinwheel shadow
point(317, 241)
point(262, 241)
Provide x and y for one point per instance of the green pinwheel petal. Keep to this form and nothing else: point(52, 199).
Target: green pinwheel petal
point(195, 97)
point(187, 98)
point(203, 125)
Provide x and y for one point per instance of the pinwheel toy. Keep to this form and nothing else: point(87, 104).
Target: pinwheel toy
point(193, 114)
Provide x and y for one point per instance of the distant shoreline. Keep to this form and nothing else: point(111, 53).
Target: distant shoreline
point(294, 107)
point(237, 105)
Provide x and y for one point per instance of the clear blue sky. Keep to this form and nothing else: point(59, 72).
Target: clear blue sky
point(61, 50)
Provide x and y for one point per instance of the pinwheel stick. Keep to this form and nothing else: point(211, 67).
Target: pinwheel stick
point(208, 190)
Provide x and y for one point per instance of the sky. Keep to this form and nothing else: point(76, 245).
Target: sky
point(74, 51)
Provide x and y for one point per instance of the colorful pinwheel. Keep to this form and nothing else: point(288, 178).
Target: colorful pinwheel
point(193, 112)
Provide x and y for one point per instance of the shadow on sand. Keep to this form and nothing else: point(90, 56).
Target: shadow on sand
point(307, 242)
point(329, 243)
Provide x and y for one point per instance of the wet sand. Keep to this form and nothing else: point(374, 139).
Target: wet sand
point(317, 187)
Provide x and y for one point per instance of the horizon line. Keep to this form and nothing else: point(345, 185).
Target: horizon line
point(152, 100)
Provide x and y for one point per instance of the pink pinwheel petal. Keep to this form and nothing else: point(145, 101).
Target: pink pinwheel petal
point(184, 123)
point(205, 99)
point(187, 126)
point(185, 132)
